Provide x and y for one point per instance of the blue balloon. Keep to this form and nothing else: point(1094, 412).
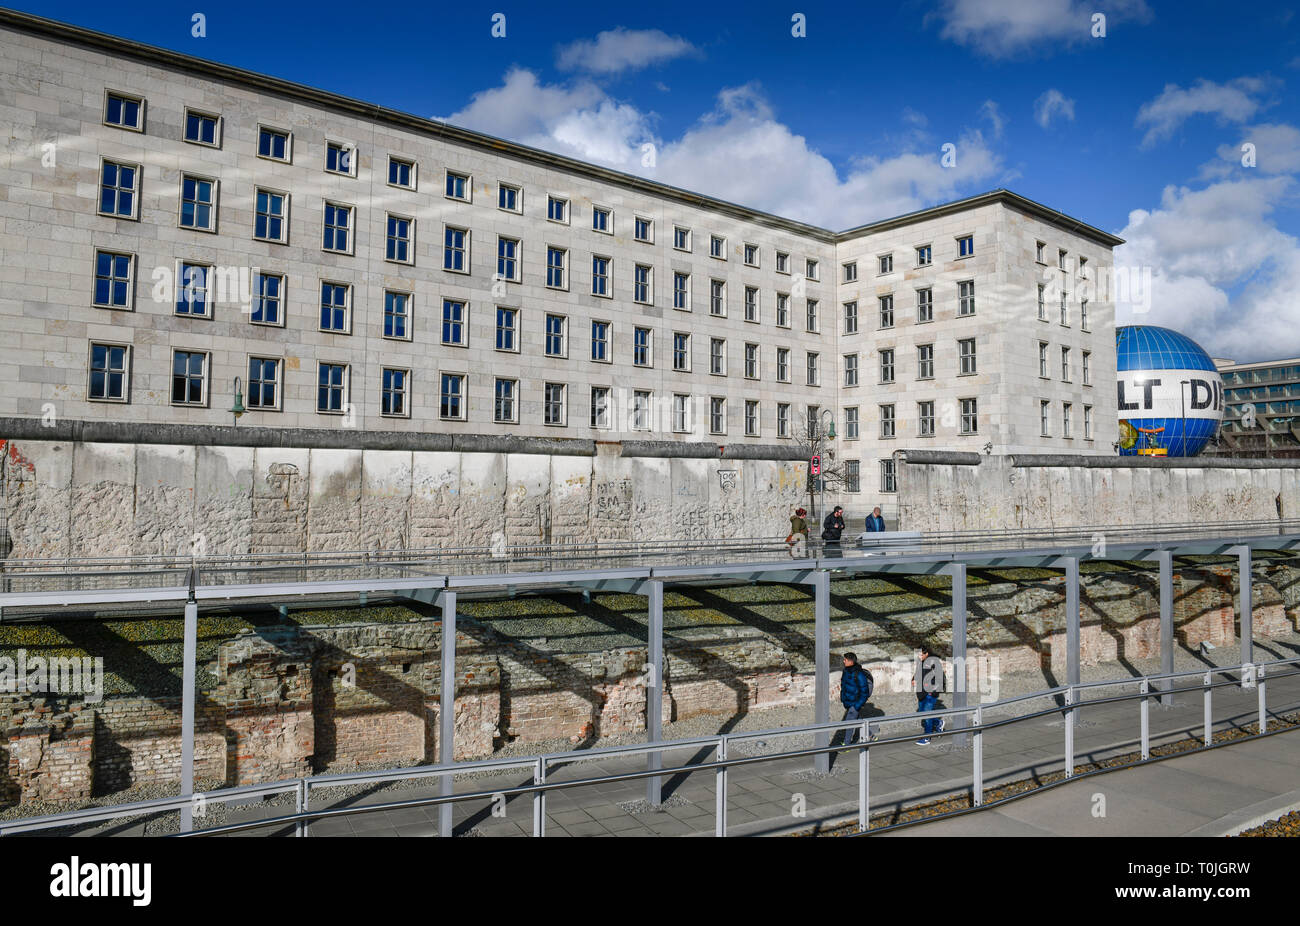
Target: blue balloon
point(1170, 393)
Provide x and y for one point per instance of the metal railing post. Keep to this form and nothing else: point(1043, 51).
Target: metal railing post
point(539, 798)
point(978, 752)
point(1146, 720)
point(1069, 732)
point(1263, 703)
point(300, 802)
point(720, 809)
point(1209, 720)
point(864, 780)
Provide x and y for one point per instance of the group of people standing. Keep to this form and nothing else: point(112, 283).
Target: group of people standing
point(832, 527)
point(857, 685)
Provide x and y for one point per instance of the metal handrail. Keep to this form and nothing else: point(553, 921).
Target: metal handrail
point(721, 764)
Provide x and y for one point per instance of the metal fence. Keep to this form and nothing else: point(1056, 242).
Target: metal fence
point(972, 724)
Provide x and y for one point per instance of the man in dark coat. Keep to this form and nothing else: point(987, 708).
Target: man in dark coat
point(875, 523)
point(855, 690)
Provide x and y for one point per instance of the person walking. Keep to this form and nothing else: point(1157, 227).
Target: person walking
point(875, 523)
point(927, 682)
point(856, 685)
point(832, 527)
point(798, 530)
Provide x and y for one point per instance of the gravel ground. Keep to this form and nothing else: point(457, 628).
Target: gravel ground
point(1288, 825)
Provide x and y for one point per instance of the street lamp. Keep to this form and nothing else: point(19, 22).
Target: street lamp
point(830, 430)
point(238, 408)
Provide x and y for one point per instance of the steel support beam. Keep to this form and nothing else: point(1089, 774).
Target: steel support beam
point(189, 654)
point(960, 672)
point(1166, 559)
point(1245, 604)
point(654, 693)
point(822, 686)
point(447, 706)
point(1072, 620)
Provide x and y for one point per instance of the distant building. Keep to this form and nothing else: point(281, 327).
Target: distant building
point(1267, 392)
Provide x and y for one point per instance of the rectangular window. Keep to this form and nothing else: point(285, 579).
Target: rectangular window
point(814, 378)
point(782, 310)
point(556, 262)
point(852, 476)
point(108, 372)
point(782, 262)
point(642, 288)
point(338, 229)
point(271, 221)
point(601, 220)
point(965, 246)
point(751, 255)
point(850, 369)
point(193, 296)
point(717, 415)
point(681, 238)
point(1040, 252)
point(812, 315)
point(1066, 411)
point(1087, 422)
point(681, 291)
point(393, 388)
point(600, 407)
point(1060, 259)
point(641, 344)
point(681, 351)
point(969, 416)
point(717, 297)
point(1065, 364)
point(507, 328)
point(189, 377)
point(643, 229)
point(1065, 309)
point(925, 361)
point(812, 268)
point(503, 401)
point(125, 112)
point(717, 357)
point(401, 173)
point(886, 263)
point(887, 365)
point(850, 318)
point(397, 314)
point(1042, 359)
point(599, 276)
point(457, 187)
point(924, 305)
point(887, 421)
point(400, 230)
point(509, 199)
point(966, 353)
point(1086, 358)
point(923, 256)
point(851, 271)
point(887, 311)
point(751, 361)
point(751, 418)
point(335, 299)
point(198, 203)
point(508, 259)
point(1044, 418)
point(273, 144)
point(966, 297)
point(455, 327)
point(553, 404)
point(451, 403)
point(1083, 314)
point(925, 419)
point(641, 402)
point(783, 420)
point(340, 158)
point(681, 413)
point(113, 279)
point(557, 209)
point(718, 247)
point(455, 250)
point(263, 383)
point(555, 332)
point(751, 303)
point(852, 424)
point(600, 341)
point(887, 480)
point(783, 364)
point(118, 189)
point(1042, 301)
point(268, 298)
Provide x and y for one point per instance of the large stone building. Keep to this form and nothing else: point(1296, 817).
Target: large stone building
point(183, 237)
point(1261, 415)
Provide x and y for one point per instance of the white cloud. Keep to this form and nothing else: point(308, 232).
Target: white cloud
point(1221, 270)
point(1276, 151)
point(1234, 101)
point(738, 152)
point(618, 50)
point(989, 110)
point(1003, 28)
point(1051, 104)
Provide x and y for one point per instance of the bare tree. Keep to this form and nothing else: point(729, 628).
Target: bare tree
point(814, 437)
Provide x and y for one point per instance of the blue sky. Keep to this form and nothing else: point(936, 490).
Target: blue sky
point(1138, 132)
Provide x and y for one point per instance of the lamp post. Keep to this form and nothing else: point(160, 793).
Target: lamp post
point(238, 408)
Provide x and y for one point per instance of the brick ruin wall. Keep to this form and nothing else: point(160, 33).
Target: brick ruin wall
point(295, 701)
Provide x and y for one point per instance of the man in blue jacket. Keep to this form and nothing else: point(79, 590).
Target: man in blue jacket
point(875, 523)
point(855, 690)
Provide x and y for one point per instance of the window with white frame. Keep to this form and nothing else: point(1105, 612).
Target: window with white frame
point(812, 269)
point(118, 189)
point(455, 323)
point(600, 341)
point(1060, 259)
point(717, 247)
point(401, 173)
point(814, 376)
point(1083, 314)
point(123, 111)
point(642, 342)
point(751, 418)
point(198, 203)
point(1042, 359)
point(274, 144)
point(782, 262)
point(268, 299)
point(1065, 309)
point(602, 220)
point(451, 397)
point(504, 406)
point(850, 369)
point(925, 361)
point(783, 364)
point(681, 351)
point(457, 186)
point(717, 297)
point(1042, 302)
point(965, 246)
point(751, 361)
point(642, 284)
point(924, 305)
point(783, 310)
point(886, 311)
point(398, 239)
point(852, 476)
point(886, 263)
point(643, 229)
point(812, 306)
point(852, 423)
point(851, 317)
point(1067, 410)
point(888, 482)
point(271, 216)
point(397, 315)
point(556, 266)
point(263, 383)
point(1087, 422)
point(1040, 249)
point(783, 419)
point(455, 249)
point(114, 279)
point(925, 419)
point(600, 407)
point(681, 412)
point(557, 209)
point(189, 377)
point(751, 303)
point(641, 404)
point(340, 158)
point(394, 385)
point(887, 365)
point(507, 328)
point(681, 238)
point(1044, 418)
point(717, 357)
point(887, 422)
point(966, 356)
point(1086, 363)
point(599, 275)
point(338, 228)
point(751, 255)
point(110, 373)
point(850, 271)
point(717, 415)
point(335, 307)
point(508, 259)
point(923, 256)
point(193, 296)
point(970, 416)
point(966, 297)
point(553, 404)
point(510, 198)
point(681, 290)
